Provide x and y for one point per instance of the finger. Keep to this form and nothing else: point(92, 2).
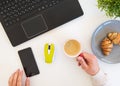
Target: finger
point(87, 57)
point(11, 79)
point(83, 64)
point(79, 64)
point(81, 55)
point(27, 82)
point(19, 81)
point(14, 81)
point(79, 58)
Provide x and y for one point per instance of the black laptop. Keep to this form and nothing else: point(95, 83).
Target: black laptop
point(24, 19)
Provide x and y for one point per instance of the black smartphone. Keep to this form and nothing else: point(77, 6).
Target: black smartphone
point(28, 62)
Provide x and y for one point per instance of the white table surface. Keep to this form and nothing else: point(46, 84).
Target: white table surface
point(64, 70)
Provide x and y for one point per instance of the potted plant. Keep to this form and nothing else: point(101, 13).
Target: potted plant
point(111, 7)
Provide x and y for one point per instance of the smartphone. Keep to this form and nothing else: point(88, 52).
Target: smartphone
point(28, 62)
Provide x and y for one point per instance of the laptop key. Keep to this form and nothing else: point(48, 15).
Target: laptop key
point(15, 10)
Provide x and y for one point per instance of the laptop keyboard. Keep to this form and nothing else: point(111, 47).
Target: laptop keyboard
point(13, 11)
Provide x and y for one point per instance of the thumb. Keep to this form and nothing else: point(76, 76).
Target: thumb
point(27, 82)
point(83, 64)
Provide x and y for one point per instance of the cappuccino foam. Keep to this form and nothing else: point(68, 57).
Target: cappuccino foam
point(72, 47)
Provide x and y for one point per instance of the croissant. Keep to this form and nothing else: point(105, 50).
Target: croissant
point(114, 37)
point(106, 46)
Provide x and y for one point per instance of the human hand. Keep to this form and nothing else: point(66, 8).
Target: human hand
point(89, 63)
point(16, 79)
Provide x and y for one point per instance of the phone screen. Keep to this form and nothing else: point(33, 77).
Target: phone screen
point(28, 62)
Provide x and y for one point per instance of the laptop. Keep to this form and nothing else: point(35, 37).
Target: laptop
point(23, 20)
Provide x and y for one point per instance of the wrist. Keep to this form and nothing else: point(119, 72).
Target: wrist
point(98, 74)
point(95, 72)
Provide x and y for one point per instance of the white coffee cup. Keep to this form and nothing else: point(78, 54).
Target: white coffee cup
point(72, 48)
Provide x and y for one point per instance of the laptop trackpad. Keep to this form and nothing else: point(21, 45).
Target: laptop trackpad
point(34, 26)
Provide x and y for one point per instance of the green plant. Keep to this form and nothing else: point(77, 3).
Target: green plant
point(111, 7)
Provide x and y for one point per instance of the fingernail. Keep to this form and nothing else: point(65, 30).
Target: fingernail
point(79, 58)
point(28, 78)
point(21, 71)
point(18, 70)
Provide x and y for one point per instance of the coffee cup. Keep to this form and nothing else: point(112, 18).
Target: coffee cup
point(72, 48)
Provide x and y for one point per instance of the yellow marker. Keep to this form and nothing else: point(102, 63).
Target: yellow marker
point(49, 52)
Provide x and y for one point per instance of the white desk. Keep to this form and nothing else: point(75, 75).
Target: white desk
point(64, 71)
